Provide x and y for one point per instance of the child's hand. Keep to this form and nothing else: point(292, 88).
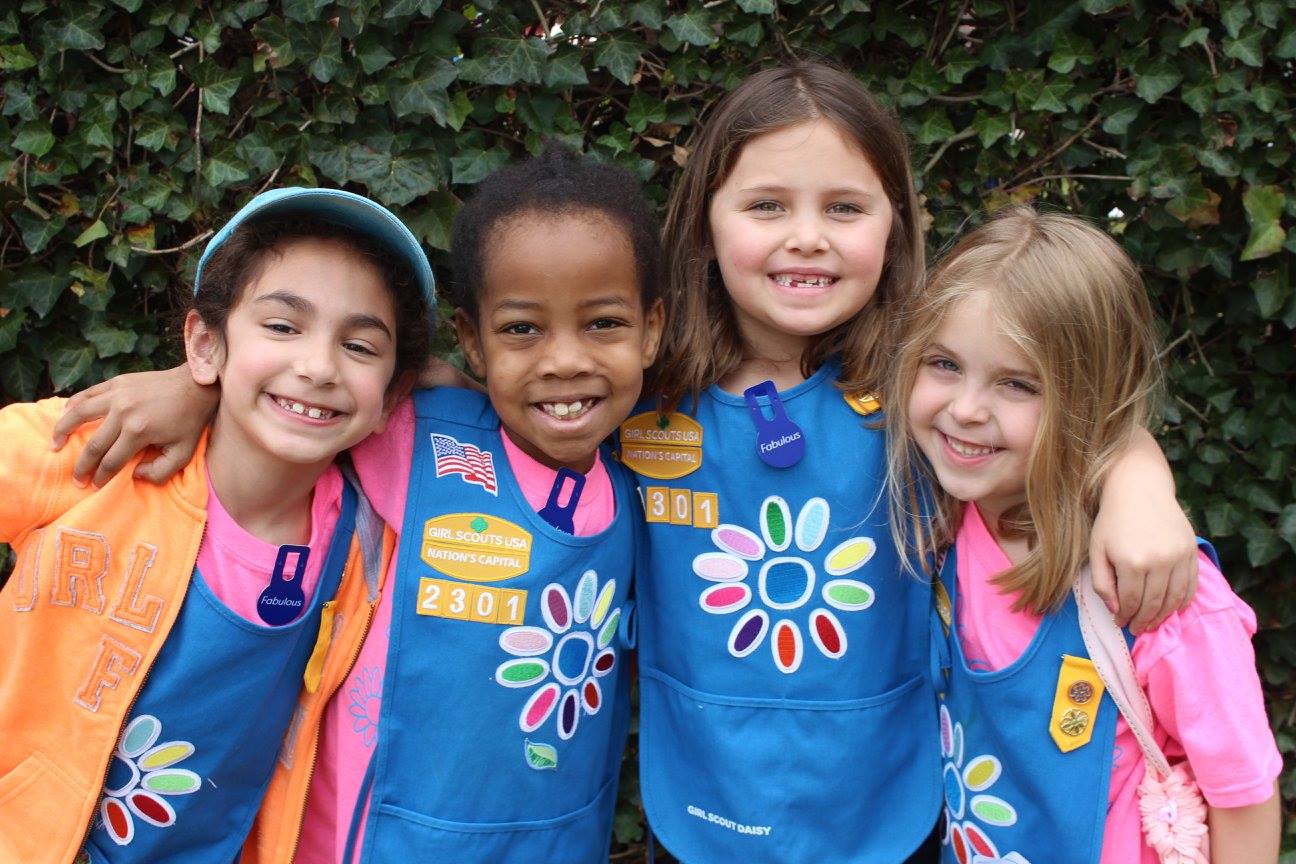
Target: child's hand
point(1142, 551)
point(166, 410)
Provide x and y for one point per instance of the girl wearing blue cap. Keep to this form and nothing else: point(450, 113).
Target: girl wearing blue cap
point(156, 636)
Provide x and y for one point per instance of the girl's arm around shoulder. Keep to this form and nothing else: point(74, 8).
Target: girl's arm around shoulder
point(1199, 671)
point(383, 462)
point(36, 483)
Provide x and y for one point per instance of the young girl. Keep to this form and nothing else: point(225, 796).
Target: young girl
point(155, 638)
point(484, 718)
point(786, 714)
point(1025, 367)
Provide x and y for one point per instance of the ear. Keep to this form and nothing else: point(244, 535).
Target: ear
point(399, 389)
point(654, 320)
point(470, 342)
point(204, 349)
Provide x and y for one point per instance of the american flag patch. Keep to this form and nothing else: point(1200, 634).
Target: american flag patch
point(470, 463)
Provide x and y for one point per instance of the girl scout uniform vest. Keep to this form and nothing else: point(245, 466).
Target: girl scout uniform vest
point(199, 746)
point(505, 701)
point(1026, 749)
point(786, 710)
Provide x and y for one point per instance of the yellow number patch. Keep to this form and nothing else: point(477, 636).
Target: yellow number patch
point(442, 598)
point(681, 507)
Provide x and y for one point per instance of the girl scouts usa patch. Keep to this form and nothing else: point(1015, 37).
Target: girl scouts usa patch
point(661, 446)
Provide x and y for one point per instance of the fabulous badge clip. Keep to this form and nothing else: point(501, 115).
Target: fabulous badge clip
point(779, 442)
point(283, 598)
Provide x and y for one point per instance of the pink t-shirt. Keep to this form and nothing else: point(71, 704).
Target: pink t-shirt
point(349, 728)
point(237, 566)
point(1198, 670)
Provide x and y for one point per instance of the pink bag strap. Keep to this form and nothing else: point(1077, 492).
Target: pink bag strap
point(1110, 655)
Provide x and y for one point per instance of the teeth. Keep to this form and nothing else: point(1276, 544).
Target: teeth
point(564, 410)
point(807, 282)
point(964, 449)
point(304, 410)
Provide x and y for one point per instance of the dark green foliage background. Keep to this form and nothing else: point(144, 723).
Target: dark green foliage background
point(129, 131)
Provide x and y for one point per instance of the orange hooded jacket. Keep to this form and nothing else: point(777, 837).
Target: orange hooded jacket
point(100, 577)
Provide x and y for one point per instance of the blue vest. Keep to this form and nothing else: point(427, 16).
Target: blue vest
point(786, 711)
point(199, 747)
point(1010, 786)
point(505, 701)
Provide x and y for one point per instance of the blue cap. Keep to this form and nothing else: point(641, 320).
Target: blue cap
point(341, 208)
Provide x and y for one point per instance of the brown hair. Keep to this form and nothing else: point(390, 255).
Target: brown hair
point(701, 339)
point(1073, 303)
point(241, 258)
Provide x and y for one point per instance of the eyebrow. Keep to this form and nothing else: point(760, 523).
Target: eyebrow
point(1010, 371)
point(531, 305)
point(297, 303)
point(836, 190)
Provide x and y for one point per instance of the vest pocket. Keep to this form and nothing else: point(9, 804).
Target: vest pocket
point(579, 837)
point(30, 796)
point(771, 781)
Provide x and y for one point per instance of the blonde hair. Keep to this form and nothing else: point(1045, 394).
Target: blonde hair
point(1072, 302)
point(701, 342)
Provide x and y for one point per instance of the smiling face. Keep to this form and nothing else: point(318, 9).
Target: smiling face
point(975, 408)
point(561, 336)
point(799, 230)
point(306, 356)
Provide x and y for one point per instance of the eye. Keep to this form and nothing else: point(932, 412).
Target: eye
point(942, 364)
point(766, 206)
point(520, 328)
point(1023, 387)
point(280, 328)
point(360, 348)
point(845, 209)
point(607, 323)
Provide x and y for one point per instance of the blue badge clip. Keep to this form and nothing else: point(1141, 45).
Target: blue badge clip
point(283, 599)
point(779, 442)
point(564, 518)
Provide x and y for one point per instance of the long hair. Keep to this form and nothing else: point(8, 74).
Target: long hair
point(1072, 302)
point(702, 343)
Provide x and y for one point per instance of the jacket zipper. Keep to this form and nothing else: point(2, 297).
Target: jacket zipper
point(310, 773)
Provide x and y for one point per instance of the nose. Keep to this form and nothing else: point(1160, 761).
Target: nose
point(566, 355)
point(807, 234)
point(968, 406)
point(316, 361)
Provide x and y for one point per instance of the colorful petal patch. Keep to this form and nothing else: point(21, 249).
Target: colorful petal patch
point(946, 732)
point(786, 644)
point(539, 707)
point(140, 735)
point(522, 672)
point(848, 595)
point(541, 757)
point(827, 633)
point(609, 629)
point(720, 567)
point(152, 809)
point(960, 845)
point(981, 773)
point(172, 781)
point(955, 799)
point(776, 523)
point(568, 715)
point(591, 696)
point(738, 541)
point(117, 821)
point(747, 634)
point(165, 755)
point(526, 641)
point(977, 841)
point(556, 607)
point(993, 811)
point(719, 599)
point(849, 556)
point(604, 603)
point(812, 524)
point(140, 775)
point(584, 601)
point(786, 583)
point(604, 662)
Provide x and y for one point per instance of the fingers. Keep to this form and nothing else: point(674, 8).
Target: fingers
point(1104, 582)
point(166, 464)
point(1156, 606)
point(85, 406)
point(121, 451)
point(87, 463)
